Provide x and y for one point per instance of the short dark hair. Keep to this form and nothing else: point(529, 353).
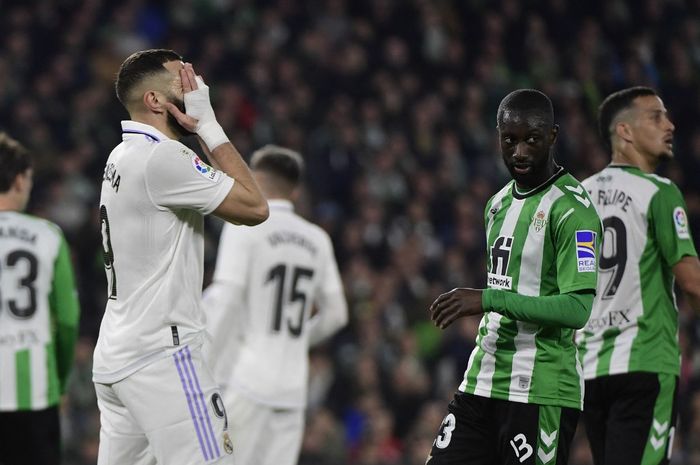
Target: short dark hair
point(139, 66)
point(14, 159)
point(527, 101)
point(613, 105)
point(281, 162)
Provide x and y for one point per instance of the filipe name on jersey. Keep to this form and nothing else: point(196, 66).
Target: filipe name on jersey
point(111, 176)
point(612, 197)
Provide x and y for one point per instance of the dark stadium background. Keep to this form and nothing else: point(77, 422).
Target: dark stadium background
point(392, 103)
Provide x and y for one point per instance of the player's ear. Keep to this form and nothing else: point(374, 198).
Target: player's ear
point(554, 134)
point(624, 131)
point(295, 194)
point(154, 101)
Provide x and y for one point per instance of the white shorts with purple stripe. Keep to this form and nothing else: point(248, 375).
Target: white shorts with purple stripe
point(169, 412)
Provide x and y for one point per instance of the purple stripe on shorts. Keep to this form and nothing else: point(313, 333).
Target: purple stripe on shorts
point(201, 396)
point(189, 404)
point(198, 406)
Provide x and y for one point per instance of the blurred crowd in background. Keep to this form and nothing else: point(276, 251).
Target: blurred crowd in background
point(392, 104)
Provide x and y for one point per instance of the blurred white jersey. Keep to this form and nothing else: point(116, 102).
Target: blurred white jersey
point(258, 308)
point(154, 193)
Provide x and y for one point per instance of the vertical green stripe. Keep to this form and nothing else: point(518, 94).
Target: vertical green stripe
point(471, 374)
point(548, 435)
point(520, 234)
point(53, 393)
point(606, 351)
point(24, 382)
point(508, 330)
point(662, 423)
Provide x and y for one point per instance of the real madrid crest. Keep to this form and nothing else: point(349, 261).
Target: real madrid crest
point(539, 221)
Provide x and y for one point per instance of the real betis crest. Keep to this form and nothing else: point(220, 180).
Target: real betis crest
point(539, 221)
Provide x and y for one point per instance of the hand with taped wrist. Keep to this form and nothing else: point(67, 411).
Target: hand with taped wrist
point(199, 115)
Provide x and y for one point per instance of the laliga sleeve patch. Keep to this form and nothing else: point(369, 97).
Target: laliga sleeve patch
point(205, 170)
point(585, 251)
point(680, 221)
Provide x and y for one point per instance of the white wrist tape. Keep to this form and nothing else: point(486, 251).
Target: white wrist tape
point(198, 105)
point(212, 134)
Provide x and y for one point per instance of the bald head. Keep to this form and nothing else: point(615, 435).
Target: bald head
point(527, 104)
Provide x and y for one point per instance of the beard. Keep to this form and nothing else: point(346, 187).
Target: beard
point(172, 122)
point(666, 154)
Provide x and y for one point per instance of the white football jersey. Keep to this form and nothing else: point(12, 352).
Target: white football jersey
point(154, 193)
point(281, 269)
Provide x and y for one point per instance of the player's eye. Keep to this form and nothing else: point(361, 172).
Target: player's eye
point(532, 140)
point(508, 140)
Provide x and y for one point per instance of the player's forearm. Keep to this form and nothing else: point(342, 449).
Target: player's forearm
point(565, 310)
point(687, 274)
point(246, 204)
point(692, 295)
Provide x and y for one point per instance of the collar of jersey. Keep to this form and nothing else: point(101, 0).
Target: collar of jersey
point(523, 195)
point(134, 128)
point(281, 204)
point(623, 165)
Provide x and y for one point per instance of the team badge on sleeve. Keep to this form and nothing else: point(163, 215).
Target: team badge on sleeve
point(680, 221)
point(205, 170)
point(585, 251)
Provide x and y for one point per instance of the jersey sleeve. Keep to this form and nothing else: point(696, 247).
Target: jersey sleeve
point(330, 300)
point(577, 236)
point(233, 256)
point(63, 302)
point(568, 310)
point(330, 280)
point(177, 178)
point(671, 228)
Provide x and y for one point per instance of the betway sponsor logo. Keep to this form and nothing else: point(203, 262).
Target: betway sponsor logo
point(499, 281)
point(612, 318)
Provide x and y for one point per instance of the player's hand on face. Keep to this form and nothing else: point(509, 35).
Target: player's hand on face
point(188, 78)
point(455, 304)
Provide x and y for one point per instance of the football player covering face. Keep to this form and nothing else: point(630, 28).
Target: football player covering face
point(526, 138)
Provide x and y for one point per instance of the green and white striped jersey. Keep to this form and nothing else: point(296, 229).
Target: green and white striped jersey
point(542, 243)
point(38, 312)
point(634, 323)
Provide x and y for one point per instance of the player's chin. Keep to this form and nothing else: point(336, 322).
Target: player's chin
point(522, 177)
point(666, 153)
